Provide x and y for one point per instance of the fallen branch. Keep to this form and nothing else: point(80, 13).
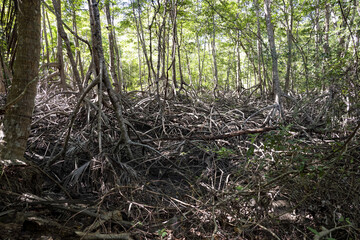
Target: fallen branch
point(125, 236)
point(325, 231)
point(215, 137)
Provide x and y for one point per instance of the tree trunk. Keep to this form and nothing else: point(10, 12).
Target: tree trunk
point(238, 66)
point(327, 29)
point(119, 64)
point(100, 63)
point(182, 82)
point(259, 48)
point(174, 43)
point(111, 49)
point(47, 55)
point(140, 33)
point(11, 32)
point(64, 36)
point(140, 64)
point(318, 40)
point(275, 71)
point(77, 52)
point(59, 54)
point(2, 76)
point(50, 31)
point(21, 98)
point(200, 62)
point(289, 42)
point(161, 53)
point(213, 48)
point(188, 68)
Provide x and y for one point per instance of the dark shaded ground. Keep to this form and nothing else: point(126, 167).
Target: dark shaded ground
point(298, 181)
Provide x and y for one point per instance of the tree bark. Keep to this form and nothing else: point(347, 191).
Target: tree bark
point(188, 68)
point(200, 61)
point(275, 71)
point(213, 48)
point(114, 75)
point(289, 42)
point(100, 63)
point(21, 98)
point(59, 53)
point(45, 37)
point(78, 52)
point(119, 64)
point(318, 40)
point(174, 42)
point(259, 48)
point(182, 81)
point(2, 76)
point(64, 36)
point(50, 31)
point(140, 63)
point(238, 65)
point(161, 51)
point(140, 32)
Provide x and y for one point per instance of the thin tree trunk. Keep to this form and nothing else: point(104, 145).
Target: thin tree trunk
point(111, 49)
point(318, 40)
point(174, 43)
point(47, 55)
point(275, 71)
point(140, 32)
point(188, 68)
point(289, 42)
point(199, 59)
point(228, 71)
point(100, 62)
point(164, 53)
point(161, 52)
point(238, 66)
point(119, 64)
point(50, 31)
point(6, 71)
point(326, 45)
point(213, 48)
point(327, 29)
point(305, 63)
point(140, 64)
point(156, 74)
point(59, 54)
point(259, 48)
point(64, 36)
point(78, 52)
point(182, 82)
point(11, 31)
point(2, 76)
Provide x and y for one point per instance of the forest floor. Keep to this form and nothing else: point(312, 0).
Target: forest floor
point(202, 168)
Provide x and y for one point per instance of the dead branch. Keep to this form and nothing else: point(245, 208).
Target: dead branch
point(216, 137)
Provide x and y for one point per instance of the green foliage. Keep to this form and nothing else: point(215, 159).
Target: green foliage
point(162, 233)
point(313, 231)
point(251, 149)
point(224, 152)
point(234, 22)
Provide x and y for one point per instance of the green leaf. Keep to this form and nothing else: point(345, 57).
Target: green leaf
point(313, 231)
point(250, 151)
